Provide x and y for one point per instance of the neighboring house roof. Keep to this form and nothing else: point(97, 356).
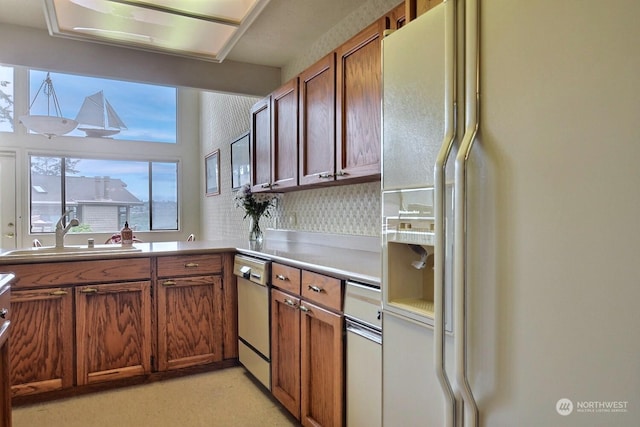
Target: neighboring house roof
point(82, 190)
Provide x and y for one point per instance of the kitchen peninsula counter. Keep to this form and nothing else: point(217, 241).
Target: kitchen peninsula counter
point(349, 257)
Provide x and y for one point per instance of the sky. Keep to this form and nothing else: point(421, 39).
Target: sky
point(149, 111)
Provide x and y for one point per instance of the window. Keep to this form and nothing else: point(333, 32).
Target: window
point(103, 194)
point(110, 108)
point(6, 99)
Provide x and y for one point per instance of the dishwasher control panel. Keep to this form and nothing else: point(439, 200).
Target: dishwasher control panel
point(252, 269)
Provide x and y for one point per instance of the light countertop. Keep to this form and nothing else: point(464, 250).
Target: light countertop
point(347, 257)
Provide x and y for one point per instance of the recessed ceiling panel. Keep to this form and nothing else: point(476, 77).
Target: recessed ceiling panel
point(231, 10)
point(203, 29)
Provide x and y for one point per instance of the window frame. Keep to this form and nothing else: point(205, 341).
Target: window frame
point(63, 176)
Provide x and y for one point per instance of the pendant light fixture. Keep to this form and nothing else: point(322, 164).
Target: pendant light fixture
point(49, 125)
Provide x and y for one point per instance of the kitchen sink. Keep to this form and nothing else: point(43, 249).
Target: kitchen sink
point(69, 250)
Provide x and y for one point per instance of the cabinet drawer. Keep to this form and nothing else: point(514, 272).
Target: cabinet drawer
point(75, 272)
point(188, 265)
point(285, 277)
point(322, 289)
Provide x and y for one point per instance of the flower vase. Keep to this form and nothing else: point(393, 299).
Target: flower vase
point(255, 233)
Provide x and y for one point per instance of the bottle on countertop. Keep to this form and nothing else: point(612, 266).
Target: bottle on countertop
point(126, 235)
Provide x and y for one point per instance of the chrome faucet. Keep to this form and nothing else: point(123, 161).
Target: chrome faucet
point(60, 231)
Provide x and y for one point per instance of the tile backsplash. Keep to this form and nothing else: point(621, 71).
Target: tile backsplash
point(347, 209)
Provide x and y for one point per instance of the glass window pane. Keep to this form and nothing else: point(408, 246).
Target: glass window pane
point(107, 192)
point(164, 191)
point(107, 108)
point(6, 99)
point(103, 194)
point(46, 193)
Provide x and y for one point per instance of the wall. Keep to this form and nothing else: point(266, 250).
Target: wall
point(32, 47)
point(349, 209)
point(223, 118)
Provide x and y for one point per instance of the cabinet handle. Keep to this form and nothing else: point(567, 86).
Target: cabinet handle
point(168, 283)
point(315, 288)
point(325, 175)
point(191, 265)
point(342, 173)
point(4, 312)
point(58, 293)
point(304, 309)
point(289, 302)
point(281, 277)
point(267, 185)
point(89, 291)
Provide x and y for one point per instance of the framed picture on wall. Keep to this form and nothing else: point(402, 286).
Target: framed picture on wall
point(240, 164)
point(212, 173)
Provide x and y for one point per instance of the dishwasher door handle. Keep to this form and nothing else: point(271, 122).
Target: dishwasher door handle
point(364, 331)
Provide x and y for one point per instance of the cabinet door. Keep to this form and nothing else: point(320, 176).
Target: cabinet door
point(358, 108)
point(397, 17)
point(284, 109)
point(41, 337)
point(322, 366)
point(285, 350)
point(190, 316)
point(113, 331)
point(317, 122)
point(261, 145)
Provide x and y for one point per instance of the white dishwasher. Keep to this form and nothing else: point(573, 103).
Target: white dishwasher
point(362, 308)
point(254, 344)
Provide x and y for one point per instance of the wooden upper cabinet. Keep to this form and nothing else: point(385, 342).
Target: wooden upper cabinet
point(284, 148)
point(317, 122)
point(415, 8)
point(359, 100)
point(397, 17)
point(261, 145)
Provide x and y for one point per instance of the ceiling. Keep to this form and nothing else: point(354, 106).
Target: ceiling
point(282, 31)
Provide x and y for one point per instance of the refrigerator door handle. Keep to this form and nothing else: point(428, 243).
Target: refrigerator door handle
point(440, 213)
point(470, 409)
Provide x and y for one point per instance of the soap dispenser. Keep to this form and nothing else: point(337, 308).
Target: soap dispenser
point(126, 235)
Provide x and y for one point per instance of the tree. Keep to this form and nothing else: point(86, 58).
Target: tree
point(52, 165)
point(6, 104)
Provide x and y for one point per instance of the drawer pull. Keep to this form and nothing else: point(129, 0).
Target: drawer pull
point(325, 175)
point(169, 283)
point(89, 291)
point(58, 293)
point(315, 288)
point(289, 302)
point(191, 265)
point(4, 312)
point(281, 277)
point(304, 309)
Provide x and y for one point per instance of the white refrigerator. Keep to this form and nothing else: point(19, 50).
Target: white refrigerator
point(511, 215)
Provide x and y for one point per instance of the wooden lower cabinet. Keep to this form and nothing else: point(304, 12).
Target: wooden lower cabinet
point(5, 328)
point(322, 366)
point(190, 319)
point(80, 323)
point(285, 350)
point(307, 364)
point(113, 331)
point(41, 337)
